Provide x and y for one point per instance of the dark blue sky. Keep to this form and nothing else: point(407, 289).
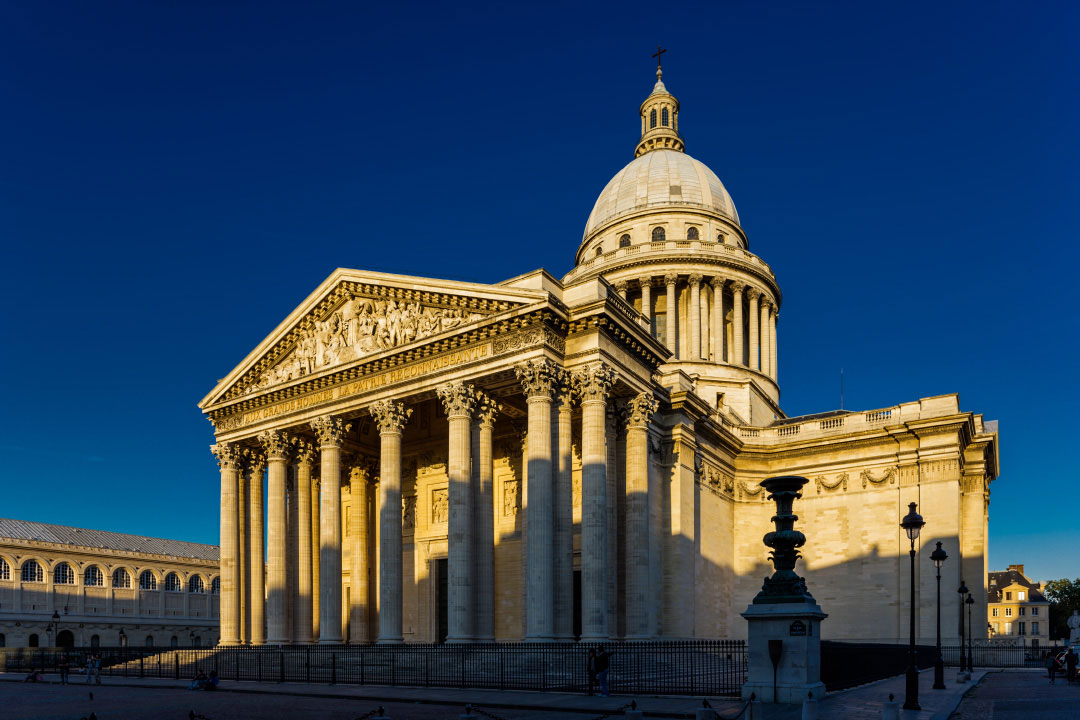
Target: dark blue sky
point(176, 177)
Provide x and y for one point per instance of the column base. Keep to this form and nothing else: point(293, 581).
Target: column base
point(390, 641)
point(539, 638)
point(460, 640)
point(331, 642)
point(589, 637)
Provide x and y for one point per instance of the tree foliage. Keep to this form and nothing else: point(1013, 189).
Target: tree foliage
point(1064, 597)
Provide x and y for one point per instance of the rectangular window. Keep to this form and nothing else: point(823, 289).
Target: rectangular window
point(1020, 628)
point(1021, 596)
point(1008, 612)
point(1008, 596)
point(1035, 611)
point(994, 612)
point(997, 628)
point(659, 327)
point(1022, 610)
point(1034, 628)
point(1008, 628)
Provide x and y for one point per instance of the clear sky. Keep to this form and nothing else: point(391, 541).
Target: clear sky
point(176, 177)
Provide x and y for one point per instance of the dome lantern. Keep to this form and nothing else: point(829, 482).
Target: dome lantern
point(659, 117)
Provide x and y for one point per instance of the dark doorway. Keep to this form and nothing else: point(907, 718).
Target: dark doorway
point(441, 600)
point(65, 639)
point(33, 640)
point(577, 604)
point(95, 641)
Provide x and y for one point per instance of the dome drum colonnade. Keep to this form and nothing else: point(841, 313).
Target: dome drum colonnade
point(289, 616)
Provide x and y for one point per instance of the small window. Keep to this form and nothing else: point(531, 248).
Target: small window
point(63, 574)
point(149, 641)
point(121, 579)
point(1022, 611)
point(3, 640)
point(1020, 628)
point(5, 570)
point(720, 238)
point(663, 117)
point(33, 642)
point(195, 585)
point(215, 586)
point(1008, 596)
point(624, 241)
point(997, 628)
point(198, 641)
point(1035, 611)
point(1008, 612)
point(599, 250)
point(93, 577)
point(1034, 628)
point(658, 234)
point(174, 641)
point(1021, 596)
point(172, 583)
point(147, 581)
point(95, 641)
point(1008, 628)
point(994, 612)
point(32, 572)
point(692, 234)
point(652, 119)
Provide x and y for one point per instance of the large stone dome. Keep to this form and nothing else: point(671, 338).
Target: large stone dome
point(657, 179)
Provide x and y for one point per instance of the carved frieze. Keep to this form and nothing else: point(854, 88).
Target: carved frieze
point(408, 513)
point(528, 338)
point(511, 498)
point(439, 505)
point(821, 483)
point(888, 476)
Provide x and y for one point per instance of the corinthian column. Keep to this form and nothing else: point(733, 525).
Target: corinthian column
point(766, 352)
point(772, 344)
point(640, 411)
point(737, 321)
point(459, 401)
point(592, 385)
point(391, 417)
point(243, 552)
point(256, 554)
point(753, 295)
point(316, 544)
point(360, 478)
point(646, 296)
point(695, 317)
point(622, 287)
point(331, 432)
point(302, 613)
point(538, 380)
point(718, 319)
point(228, 456)
point(482, 478)
point(563, 547)
point(276, 447)
point(671, 318)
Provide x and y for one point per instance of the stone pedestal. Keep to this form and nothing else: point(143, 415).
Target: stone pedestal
point(798, 628)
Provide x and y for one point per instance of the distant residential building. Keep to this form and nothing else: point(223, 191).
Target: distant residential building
point(105, 588)
point(1017, 611)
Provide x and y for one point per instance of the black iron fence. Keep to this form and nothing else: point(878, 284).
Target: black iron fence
point(999, 656)
point(696, 667)
point(845, 665)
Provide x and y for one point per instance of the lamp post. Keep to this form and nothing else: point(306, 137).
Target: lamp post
point(939, 557)
point(191, 639)
point(123, 638)
point(56, 627)
point(963, 591)
point(912, 524)
point(971, 662)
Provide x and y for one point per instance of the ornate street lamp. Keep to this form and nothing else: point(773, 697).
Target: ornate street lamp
point(56, 627)
point(939, 557)
point(963, 591)
point(971, 662)
point(123, 638)
point(191, 639)
point(912, 524)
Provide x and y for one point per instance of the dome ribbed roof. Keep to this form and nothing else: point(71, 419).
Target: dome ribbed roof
point(657, 179)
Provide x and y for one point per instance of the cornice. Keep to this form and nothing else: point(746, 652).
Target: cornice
point(98, 552)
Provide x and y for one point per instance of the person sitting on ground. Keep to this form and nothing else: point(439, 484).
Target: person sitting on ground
point(212, 681)
point(34, 676)
point(199, 682)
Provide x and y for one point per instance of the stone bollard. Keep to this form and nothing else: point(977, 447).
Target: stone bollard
point(756, 710)
point(468, 714)
point(705, 712)
point(891, 709)
point(633, 712)
point(809, 707)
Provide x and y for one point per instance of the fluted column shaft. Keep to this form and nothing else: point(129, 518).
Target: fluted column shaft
point(737, 321)
point(275, 445)
point(538, 379)
point(672, 316)
point(316, 557)
point(331, 432)
point(592, 385)
point(391, 418)
point(641, 409)
point(766, 353)
point(772, 343)
point(229, 614)
point(359, 593)
point(459, 401)
point(755, 340)
point(718, 319)
point(256, 554)
point(243, 554)
point(302, 613)
point(695, 317)
point(564, 513)
point(483, 478)
point(646, 297)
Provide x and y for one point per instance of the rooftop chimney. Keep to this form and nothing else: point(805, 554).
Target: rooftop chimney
point(1017, 568)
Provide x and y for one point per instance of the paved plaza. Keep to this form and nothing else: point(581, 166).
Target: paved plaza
point(1020, 695)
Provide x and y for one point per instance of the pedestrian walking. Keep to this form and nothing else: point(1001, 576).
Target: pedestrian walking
point(64, 667)
point(97, 669)
point(603, 662)
point(1070, 664)
point(590, 667)
point(89, 669)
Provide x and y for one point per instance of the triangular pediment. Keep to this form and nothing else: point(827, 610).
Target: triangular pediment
point(355, 315)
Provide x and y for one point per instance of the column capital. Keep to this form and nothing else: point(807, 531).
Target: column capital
point(717, 282)
point(305, 452)
point(645, 281)
point(593, 383)
point(640, 409)
point(671, 278)
point(486, 409)
point(538, 378)
point(254, 459)
point(696, 278)
point(564, 390)
point(622, 286)
point(458, 399)
point(753, 294)
point(275, 444)
point(363, 470)
point(737, 287)
point(330, 430)
point(228, 455)
point(390, 416)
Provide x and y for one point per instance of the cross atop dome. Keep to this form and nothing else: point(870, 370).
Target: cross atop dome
point(659, 116)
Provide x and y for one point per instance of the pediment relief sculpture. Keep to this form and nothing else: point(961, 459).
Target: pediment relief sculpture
point(361, 326)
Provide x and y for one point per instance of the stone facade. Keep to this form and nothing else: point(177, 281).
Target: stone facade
point(108, 589)
point(548, 459)
point(1017, 611)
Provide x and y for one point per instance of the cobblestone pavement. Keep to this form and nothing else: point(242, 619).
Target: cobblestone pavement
point(1020, 695)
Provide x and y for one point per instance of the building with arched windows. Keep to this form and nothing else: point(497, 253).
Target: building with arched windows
point(421, 460)
point(107, 589)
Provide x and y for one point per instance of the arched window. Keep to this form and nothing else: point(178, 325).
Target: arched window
point(195, 584)
point(123, 639)
point(32, 572)
point(174, 641)
point(93, 577)
point(599, 250)
point(3, 640)
point(172, 583)
point(720, 237)
point(624, 241)
point(215, 586)
point(663, 117)
point(692, 234)
point(5, 570)
point(147, 581)
point(121, 578)
point(33, 642)
point(149, 641)
point(658, 234)
point(63, 574)
point(652, 119)
point(198, 641)
point(95, 641)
